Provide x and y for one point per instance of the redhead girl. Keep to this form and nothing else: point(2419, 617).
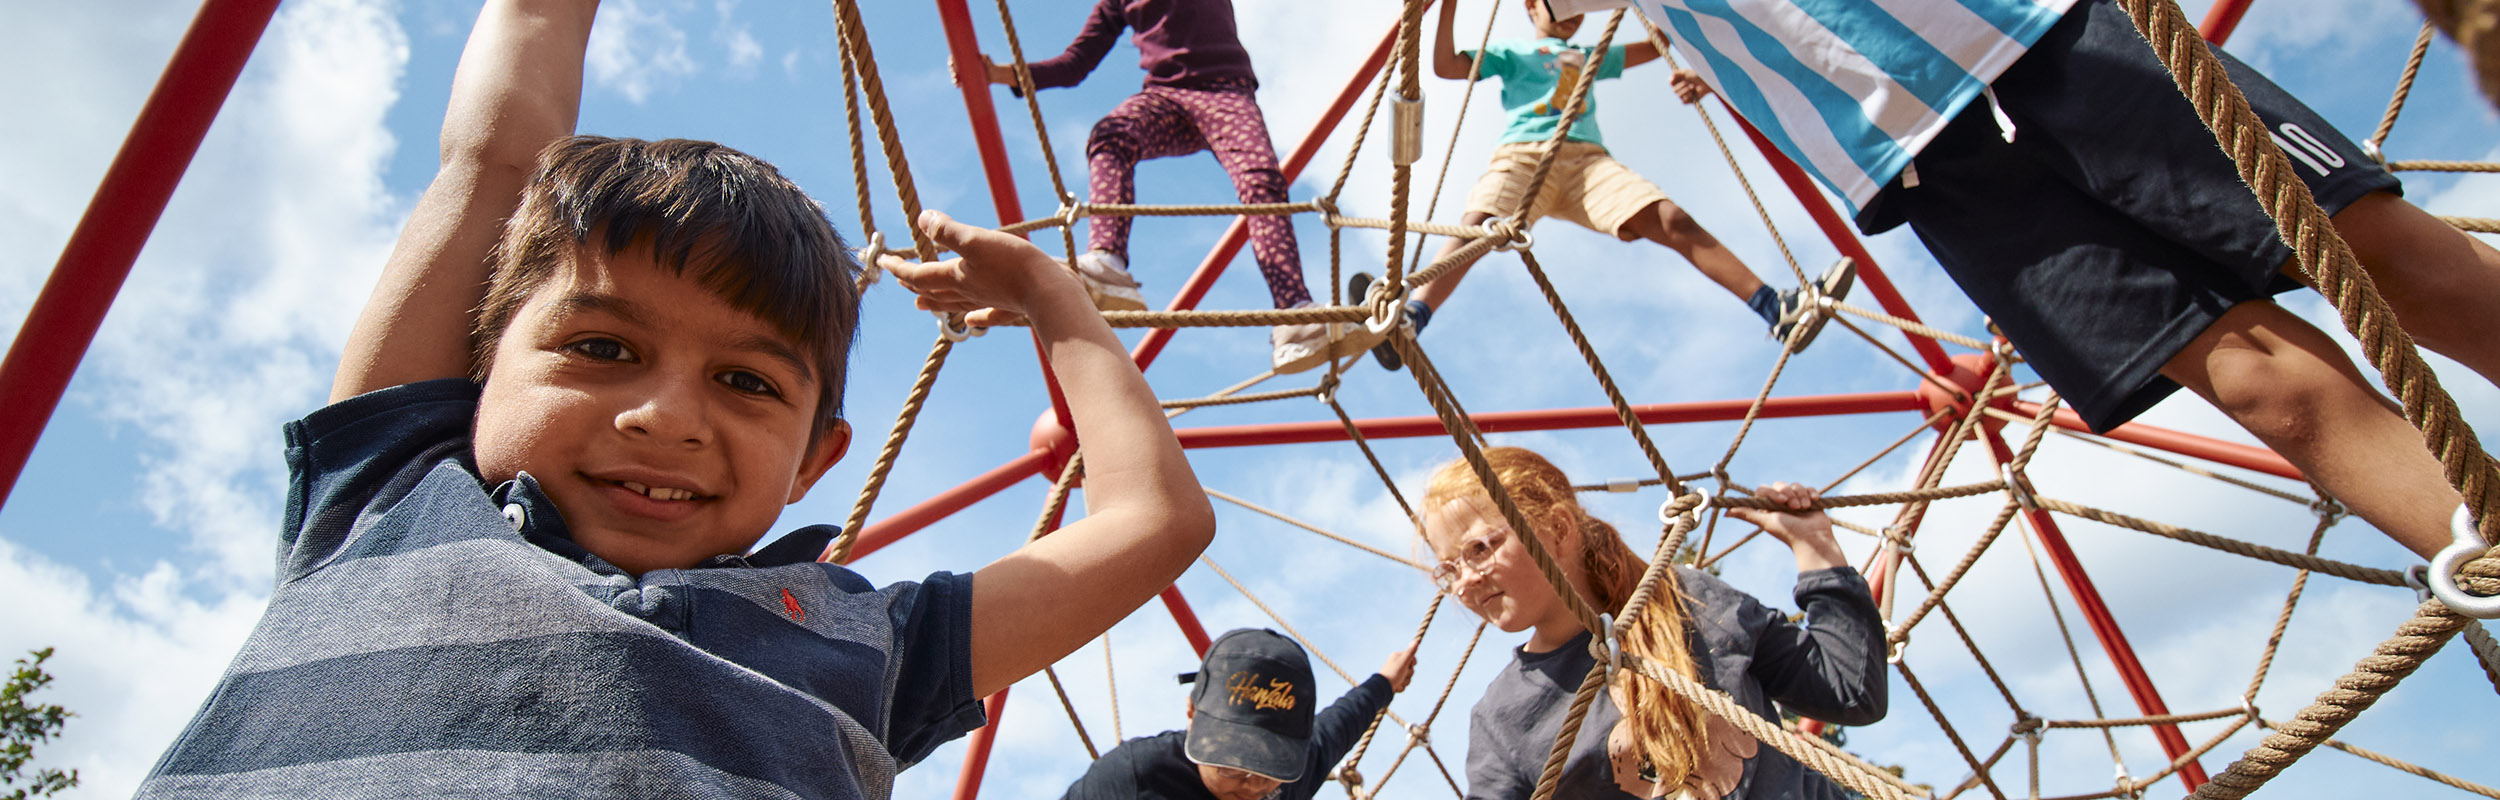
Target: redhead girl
point(1830, 668)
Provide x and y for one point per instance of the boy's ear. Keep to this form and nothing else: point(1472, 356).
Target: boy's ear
point(829, 449)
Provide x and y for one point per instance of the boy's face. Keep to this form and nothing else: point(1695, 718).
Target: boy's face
point(667, 425)
point(1547, 25)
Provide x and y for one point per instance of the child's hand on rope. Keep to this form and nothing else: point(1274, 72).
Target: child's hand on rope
point(994, 279)
point(1804, 528)
point(1399, 669)
point(1689, 87)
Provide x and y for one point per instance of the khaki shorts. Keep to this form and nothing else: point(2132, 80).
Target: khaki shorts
point(1586, 186)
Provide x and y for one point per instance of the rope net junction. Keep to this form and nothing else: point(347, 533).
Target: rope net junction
point(1976, 394)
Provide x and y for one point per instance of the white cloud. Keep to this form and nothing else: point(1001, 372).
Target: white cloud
point(638, 47)
point(229, 325)
point(132, 659)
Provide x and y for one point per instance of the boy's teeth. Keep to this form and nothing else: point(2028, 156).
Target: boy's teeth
point(659, 493)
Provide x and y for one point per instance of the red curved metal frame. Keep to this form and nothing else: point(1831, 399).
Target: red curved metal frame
point(203, 69)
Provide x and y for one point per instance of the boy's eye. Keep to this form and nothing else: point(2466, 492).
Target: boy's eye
point(601, 350)
point(749, 383)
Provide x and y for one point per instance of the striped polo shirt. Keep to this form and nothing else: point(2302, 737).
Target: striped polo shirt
point(430, 637)
point(1848, 89)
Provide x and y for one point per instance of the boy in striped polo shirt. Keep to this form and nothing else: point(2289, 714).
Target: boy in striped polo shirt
point(1586, 185)
point(2047, 160)
point(515, 560)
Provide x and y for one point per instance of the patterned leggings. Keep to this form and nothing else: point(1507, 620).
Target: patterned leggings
point(1160, 122)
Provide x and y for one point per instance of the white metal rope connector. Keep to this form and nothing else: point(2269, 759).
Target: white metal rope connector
point(1602, 645)
point(1665, 517)
point(869, 268)
point(1388, 310)
point(2014, 486)
point(2443, 571)
point(953, 327)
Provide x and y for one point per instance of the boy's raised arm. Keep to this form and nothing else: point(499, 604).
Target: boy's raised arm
point(1146, 518)
point(518, 89)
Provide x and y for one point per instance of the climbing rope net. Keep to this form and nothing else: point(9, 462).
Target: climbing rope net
point(1975, 402)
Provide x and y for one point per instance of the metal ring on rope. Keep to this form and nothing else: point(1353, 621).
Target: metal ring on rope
point(2022, 496)
point(1387, 312)
point(1069, 213)
point(1602, 645)
point(953, 327)
point(2371, 149)
point(1514, 232)
point(1667, 512)
point(869, 257)
point(2443, 571)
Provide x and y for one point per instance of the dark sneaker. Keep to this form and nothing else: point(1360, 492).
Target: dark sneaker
point(1802, 308)
point(1360, 287)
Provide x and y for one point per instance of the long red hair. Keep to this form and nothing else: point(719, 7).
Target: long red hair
point(1668, 730)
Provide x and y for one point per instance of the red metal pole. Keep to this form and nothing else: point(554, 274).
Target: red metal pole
point(1188, 619)
point(2220, 20)
point(964, 45)
point(64, 319)
point(2105, 627)
point(2256, 459)
point(968, 782)
point(1226, 248)
point(886, 531)
point(1843, 237)
point(1552, 419)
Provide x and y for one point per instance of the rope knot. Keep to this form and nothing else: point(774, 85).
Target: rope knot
point(1351, 777)
point(2028, 726)
point(869, 269)
point(1512, 231)
point(1072, 210)
point(1327, 207)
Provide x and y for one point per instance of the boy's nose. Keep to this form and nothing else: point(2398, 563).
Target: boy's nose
point(672, 411)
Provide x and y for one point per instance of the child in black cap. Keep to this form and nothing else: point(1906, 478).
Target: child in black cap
point(1252, 734)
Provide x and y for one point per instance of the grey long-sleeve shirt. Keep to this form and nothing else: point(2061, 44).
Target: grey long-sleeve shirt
point(1831, 669)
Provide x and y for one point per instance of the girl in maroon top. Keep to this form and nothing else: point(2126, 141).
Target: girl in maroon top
point(1199, 94)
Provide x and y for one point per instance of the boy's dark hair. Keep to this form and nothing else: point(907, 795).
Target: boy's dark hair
point(751, 237)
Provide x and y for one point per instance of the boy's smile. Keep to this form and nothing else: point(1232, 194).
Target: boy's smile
point(667, 425)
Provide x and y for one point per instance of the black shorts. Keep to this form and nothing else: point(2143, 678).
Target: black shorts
point(2113, 230)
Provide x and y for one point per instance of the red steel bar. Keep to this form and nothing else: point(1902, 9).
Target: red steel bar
point(2105, 627)
point(885, 531)
point(1552, 419)
point(968, 782)
point(2220, 20)
point(1226, 248)
point(964, 47)
point(2257, 459)
point(1187, 618)
point(126, 206)
point(1843, 237)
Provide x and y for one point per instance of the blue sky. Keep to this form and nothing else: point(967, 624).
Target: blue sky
point(138, 542)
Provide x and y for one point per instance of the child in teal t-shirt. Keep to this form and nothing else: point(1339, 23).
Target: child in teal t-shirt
point(1537, 78)
point(1586, 185)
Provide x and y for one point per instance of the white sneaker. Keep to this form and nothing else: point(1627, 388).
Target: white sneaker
point(1297, 348)
point(1107, 281)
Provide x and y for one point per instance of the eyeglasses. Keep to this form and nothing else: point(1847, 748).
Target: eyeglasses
point(1233, 775)
point(1473, 554)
